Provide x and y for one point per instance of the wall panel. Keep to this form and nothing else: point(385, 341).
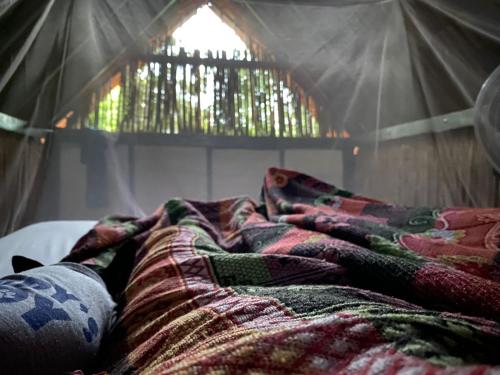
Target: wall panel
point(447, 169)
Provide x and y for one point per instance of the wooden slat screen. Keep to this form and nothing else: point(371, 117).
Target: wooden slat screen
point(213, 95)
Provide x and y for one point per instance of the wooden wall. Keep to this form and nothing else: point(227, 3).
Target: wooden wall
point(445, 169)
point(135, 173)
point(448, 169)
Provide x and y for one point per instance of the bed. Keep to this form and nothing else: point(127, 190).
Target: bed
point(311, 280)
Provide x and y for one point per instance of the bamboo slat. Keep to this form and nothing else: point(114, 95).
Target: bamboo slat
point(178, 93)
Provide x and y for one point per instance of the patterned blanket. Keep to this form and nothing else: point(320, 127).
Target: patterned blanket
point(315, 280)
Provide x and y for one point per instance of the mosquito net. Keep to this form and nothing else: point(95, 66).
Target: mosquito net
point(115, 106)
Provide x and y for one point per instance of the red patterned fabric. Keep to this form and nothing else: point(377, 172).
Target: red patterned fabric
point(315, 280)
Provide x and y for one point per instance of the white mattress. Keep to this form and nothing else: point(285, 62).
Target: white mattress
point(46, 242)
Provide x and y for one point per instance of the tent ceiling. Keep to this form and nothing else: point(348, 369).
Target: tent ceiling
point(368, 63)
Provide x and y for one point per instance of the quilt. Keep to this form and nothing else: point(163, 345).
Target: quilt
point(312, 280)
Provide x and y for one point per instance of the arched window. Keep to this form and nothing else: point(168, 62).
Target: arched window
point(202, 80)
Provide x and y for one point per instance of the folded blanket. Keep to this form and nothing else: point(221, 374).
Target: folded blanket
point(315, 280)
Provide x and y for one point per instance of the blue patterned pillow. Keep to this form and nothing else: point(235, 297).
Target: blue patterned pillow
point(52, 319)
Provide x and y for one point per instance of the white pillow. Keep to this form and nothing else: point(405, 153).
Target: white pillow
point(47, 242)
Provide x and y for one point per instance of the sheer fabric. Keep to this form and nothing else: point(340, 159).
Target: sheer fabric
point(394, 83)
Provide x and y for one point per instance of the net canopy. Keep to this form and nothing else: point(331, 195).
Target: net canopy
point(115, 106)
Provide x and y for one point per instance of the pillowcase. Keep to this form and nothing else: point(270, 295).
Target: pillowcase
point(53, 319)
point(47, 242)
